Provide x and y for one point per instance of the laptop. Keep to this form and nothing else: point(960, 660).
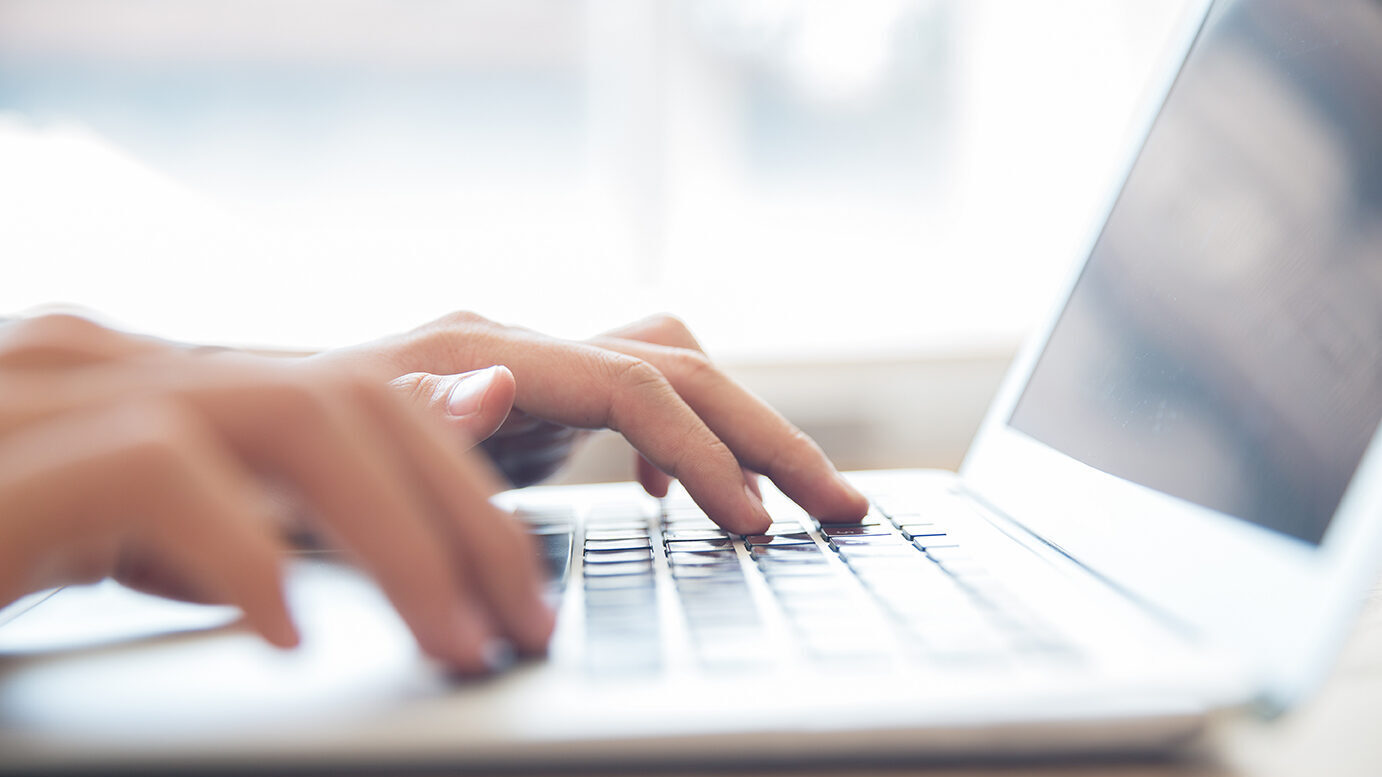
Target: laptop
point(1172, 511)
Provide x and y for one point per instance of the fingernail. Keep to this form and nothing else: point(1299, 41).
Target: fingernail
point(468, 393)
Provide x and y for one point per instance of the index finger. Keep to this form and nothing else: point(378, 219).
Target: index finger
point(758, 435)
point(582, 385)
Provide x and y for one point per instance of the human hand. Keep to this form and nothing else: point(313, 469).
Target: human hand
point(126, 457)
point(478, 406)
point(652, 383)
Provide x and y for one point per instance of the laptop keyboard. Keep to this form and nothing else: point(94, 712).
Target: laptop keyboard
point(897, 584)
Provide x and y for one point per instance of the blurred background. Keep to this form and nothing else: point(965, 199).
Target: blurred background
point(860, 207)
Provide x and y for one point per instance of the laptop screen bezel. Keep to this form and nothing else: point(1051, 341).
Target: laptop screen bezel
point(1280, 603)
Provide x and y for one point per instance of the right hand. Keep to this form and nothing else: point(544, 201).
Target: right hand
point(126, 457)
point(651, 382)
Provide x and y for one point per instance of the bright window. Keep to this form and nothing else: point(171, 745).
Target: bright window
point(797, 179)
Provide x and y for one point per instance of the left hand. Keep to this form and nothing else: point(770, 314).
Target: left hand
point(650, 381)
point(124, 457)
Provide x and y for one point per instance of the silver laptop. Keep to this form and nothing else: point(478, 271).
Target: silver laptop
point(1173, 510)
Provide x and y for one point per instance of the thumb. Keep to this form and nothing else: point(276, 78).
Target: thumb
point(474, 404)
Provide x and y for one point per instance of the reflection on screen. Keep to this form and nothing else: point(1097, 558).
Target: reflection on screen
point(1224, 343)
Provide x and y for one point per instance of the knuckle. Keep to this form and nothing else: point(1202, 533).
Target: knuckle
point(414, 387)
point(464, 319)
point(671, 323)
point(60, 328)
point(455, 336)
point(630, 384)
point(672, 330)
point(694, 366)
point(56, 336)
point(632, 373)
point(795, 455)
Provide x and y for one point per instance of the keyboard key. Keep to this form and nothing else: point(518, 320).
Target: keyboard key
point(784, 527)
point(615, 582)
point(690, 524)
point(683, 545)
point(722, 557)
point(947, 553)
point(839, 606)
point(706, 635)
point(620, 568)
point(711, 572)
point(855, 531)
point(616, 534)
point(929, 544)
point(805, 567)
point(799, 566)
point(853, 553)
point(727, 591)
point(633, 621)
point(710, 599)
point(923, 529)
point(806, 585)
point(736, 653)
point(712, 617)
point(617, 556)
point(870, 540)
point(734, 625)
point(621, 598)
point(695, 534)
point(779, 540)
point(798, 551)
point(868, 520)
point(629, 544)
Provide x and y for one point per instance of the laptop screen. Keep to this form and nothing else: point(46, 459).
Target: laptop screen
point(1224, 342)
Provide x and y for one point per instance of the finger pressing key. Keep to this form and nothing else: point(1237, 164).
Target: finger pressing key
point(147, 475)
point(312, 428)
point(497, 557)
point(590, 387)
point(756, 433)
